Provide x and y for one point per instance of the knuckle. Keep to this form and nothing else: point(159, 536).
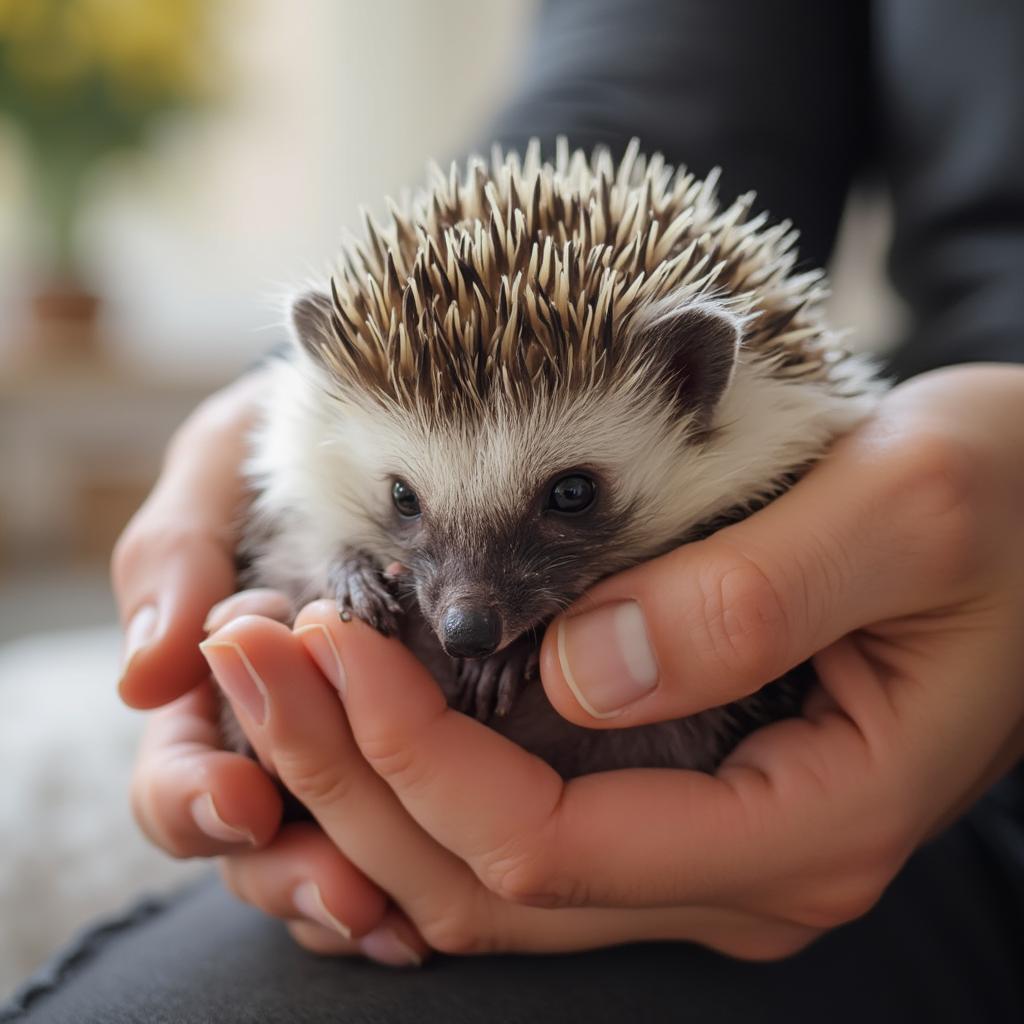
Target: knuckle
point(943, 466)
point(742, 617)
point(396, 759)
point(452, 937)
point(522, 874)
point(937, 480)
point(840, 901)
point(884, 848)
point(521, 880)
point(860, 874)
point(313, 781)
point(457, 932)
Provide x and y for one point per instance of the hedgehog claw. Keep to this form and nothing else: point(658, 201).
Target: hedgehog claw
point(488, 687)
point(361, 590)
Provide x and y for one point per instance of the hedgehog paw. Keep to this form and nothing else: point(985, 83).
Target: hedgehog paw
point(361, 590)
point(488, 687)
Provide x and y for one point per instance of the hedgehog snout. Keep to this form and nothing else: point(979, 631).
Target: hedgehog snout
point(470, 630)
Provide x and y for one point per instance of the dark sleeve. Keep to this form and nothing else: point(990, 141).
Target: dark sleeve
point(775, 93)
point(950, 77)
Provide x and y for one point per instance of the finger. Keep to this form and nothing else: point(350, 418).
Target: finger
point(263, 602)
point(175, 559)
point(302, 874)
point(271, 604)
point(265, 670)
point(315, 938)
point(190, 797)
point(394, 943)
point(452, 911)
point(623, 839)
point(473, 790)
point(871, 532)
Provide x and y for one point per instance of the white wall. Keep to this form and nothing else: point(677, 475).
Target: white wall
point(336, 103)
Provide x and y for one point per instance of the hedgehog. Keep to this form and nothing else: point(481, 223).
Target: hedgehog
point(537, 374)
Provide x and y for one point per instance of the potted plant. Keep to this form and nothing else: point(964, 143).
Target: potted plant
point(80, 79)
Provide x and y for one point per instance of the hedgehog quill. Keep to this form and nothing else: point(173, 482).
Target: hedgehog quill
point(536, 375)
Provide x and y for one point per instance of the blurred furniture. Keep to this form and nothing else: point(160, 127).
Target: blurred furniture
point(69, 850)
point(81, 445)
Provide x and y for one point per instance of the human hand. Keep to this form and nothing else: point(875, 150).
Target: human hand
point(174, 578)
point(171, 566)
point(192, 798)
point(899, 560)
point(176, 558)
point(287, 706)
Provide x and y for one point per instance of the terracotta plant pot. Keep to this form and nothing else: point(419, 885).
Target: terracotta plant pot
point(64, 325)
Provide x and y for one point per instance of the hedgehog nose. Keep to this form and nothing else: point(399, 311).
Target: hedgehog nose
point(469, 632)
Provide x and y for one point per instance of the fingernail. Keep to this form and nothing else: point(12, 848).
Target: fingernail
point(385, 947)
point(237, 678)
point(140, 631)
point(606, 658)
point(269, 603)
point(325, 653)
point(310, 904)
point(206, 816)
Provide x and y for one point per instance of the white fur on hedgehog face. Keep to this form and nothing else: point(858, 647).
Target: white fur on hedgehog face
point(325, 470)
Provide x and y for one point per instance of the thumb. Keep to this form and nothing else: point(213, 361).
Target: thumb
point(864, 537)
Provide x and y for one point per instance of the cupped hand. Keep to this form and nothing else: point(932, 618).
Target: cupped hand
point(291, 691)
point(192, 798)
point(176, 558)
point(898, 564)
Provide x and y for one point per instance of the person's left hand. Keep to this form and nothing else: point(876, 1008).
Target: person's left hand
point(470, 788)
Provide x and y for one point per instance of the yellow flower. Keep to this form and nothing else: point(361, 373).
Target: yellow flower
point(144, 50)
point(152, 46)
point(49, 42)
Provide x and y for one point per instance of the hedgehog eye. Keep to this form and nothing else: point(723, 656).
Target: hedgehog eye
point(572, 494)
point(405, 499)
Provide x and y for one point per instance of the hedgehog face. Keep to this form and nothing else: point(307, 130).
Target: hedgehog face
point(485, 573)
point(504, 504)
point(501, 522)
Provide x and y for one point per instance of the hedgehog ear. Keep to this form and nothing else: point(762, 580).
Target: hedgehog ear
point(698, 345)
point(311, 323)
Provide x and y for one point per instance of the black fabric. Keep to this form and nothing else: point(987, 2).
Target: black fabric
point(944, 944)
point(950, 76)
point(776, 94)
point(797, 99)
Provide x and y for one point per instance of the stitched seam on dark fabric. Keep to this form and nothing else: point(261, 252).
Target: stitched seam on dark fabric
point(63, 964)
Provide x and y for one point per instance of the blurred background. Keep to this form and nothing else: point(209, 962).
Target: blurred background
point(169, 169)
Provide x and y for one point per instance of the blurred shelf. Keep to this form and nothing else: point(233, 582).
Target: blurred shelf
point(81, 443)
